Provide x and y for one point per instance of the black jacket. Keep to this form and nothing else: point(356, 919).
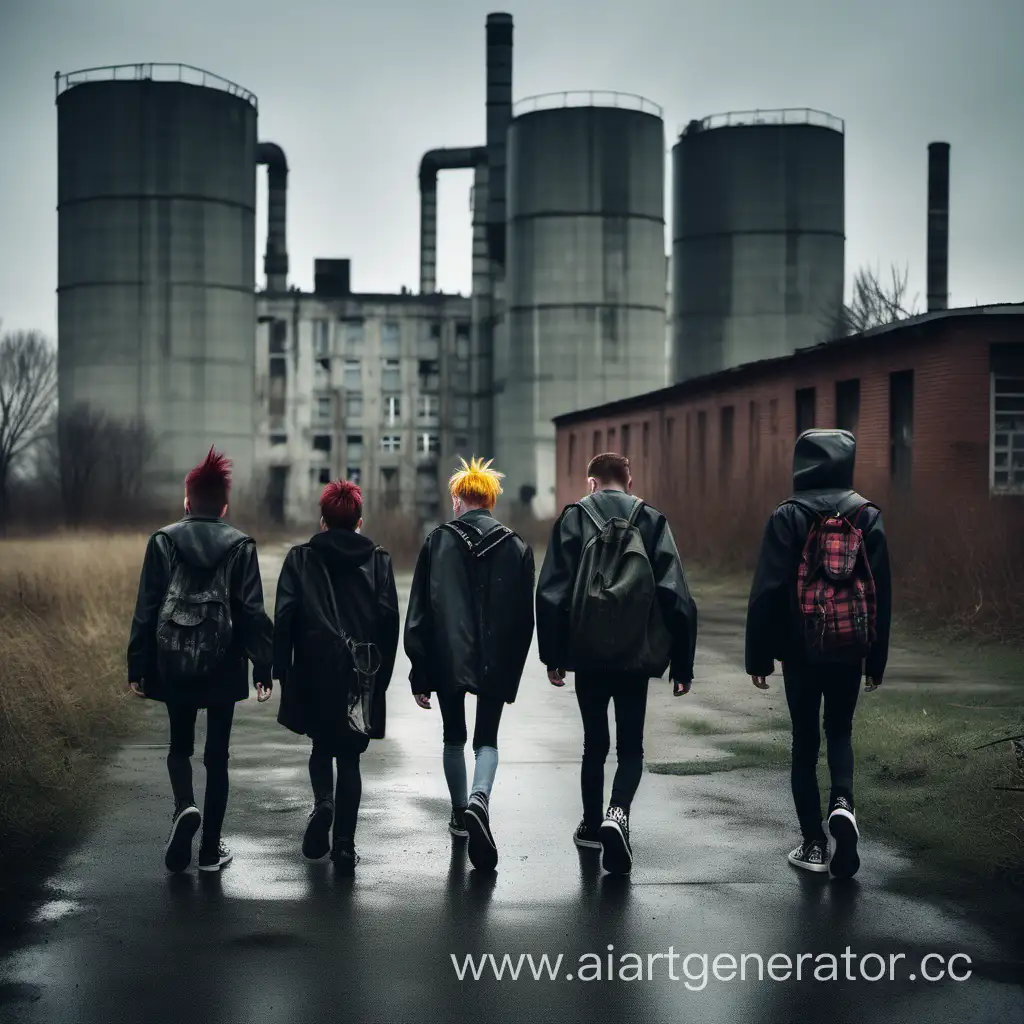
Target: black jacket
point(823, 463)
point(470, 621)
point(561, 566)
point(203, 542)
point(363, 581)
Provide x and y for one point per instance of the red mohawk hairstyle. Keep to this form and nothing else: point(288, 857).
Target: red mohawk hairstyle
point(341, 505)
point(208, 484)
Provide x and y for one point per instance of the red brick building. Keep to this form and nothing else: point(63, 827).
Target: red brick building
point(936, 404)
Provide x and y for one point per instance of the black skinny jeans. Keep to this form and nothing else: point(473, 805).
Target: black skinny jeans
point(629, 695)
point(806, 686)
point(348, 790)
point(215, 757)
point(453, 719)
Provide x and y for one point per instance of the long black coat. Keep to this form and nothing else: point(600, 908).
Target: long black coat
point(470, 625)
point(822, 477)
point(561, 567)
point(203, 542)
point(363, 581)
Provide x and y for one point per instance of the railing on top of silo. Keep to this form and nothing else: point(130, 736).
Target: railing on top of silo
point(586, 98)
point(159, 72)
point(780, 116)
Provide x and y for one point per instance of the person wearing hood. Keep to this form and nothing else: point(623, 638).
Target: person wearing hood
point(469, 630)
point(199, 618)
point(821, 604)
point(336, 598)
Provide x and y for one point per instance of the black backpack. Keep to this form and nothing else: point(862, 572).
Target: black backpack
point(615, 620)
point(194, 630)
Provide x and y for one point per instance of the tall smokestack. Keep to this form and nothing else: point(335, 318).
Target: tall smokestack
point(938, 226)
point(275, 261)
point(499, 114)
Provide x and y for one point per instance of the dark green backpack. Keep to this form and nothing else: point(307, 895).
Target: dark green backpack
point(615, 620)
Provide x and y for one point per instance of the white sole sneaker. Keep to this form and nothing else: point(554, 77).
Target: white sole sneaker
point(221, 862)
point(178, 852)
point(483, 851)
point(587, 844)
point(842, 826)
point(797, 862)
point(616, 856)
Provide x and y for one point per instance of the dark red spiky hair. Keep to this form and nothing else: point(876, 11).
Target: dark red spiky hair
point(341, 505)
point(208, 484)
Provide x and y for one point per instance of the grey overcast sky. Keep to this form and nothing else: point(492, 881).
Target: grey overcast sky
point(356, 92)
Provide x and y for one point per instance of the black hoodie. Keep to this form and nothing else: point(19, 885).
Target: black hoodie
point(823, 462)
point(363, 580)
point(204, 542)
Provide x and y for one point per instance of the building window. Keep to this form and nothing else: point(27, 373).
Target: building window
point(354, 449)
point(462, 445)
point(428, 443)
point(597, 442)
point(389, 485)
point(753, 437)
point(727, 424)
point(355, 332)
point(901, 426)
point(355, 474)
point(429, 374)
point(702, 450)
point(611, 439)
point(391, 375)
point(428, 409)
point(805, 410)
point(323, 408)
point(278, 385)
point(278, 439)
point(392, 410)
point(572, 453)
point(390, 340)
point(353, 377)
point(462, 330)
point(461, 419)
point(278, 336)
point(1007, 428)
point(323, 475)
point(353, 405)
point(848, 405)
point(625, 439)
point(322, 443)
point(773, 416)
point(645, 440)
point(321, 339)
point(435, 331)
point(391, 443)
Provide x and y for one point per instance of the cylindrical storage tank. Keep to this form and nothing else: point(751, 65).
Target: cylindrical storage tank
point(156, 280)
point(585, 274)
point(758, 237)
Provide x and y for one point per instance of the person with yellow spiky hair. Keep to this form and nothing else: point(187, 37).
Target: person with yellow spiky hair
point(468, 630)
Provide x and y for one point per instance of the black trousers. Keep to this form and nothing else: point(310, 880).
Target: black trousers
point(348, 789)
point(807, 687)
point(453, 719)
point(629, 696)
point(215, 757)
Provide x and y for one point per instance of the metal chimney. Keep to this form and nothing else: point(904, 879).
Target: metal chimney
point(275, 261)
point(938, 226)
point(499, 114)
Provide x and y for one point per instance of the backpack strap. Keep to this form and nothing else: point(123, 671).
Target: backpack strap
point(476, 541)
point(638, 503)
point(589, 506)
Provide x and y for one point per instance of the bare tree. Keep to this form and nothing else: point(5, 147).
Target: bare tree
point(875, 303)
point(28, 390)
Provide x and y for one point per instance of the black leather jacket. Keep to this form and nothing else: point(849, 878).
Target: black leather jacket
point(823, 463)
point(470, 624)
point(561, 565)
point(204, 542)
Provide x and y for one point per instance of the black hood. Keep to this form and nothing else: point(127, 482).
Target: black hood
point(203, 542)
point(823, 460)
point(341, 548)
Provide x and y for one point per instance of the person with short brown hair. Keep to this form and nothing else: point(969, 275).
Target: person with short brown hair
point(611, 515)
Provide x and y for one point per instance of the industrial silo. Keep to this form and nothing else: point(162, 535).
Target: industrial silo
point(585, 273)
point(758, 237)
point(156, 278)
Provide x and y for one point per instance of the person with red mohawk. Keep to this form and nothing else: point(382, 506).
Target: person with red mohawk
point(335, 641)
point(199, 619)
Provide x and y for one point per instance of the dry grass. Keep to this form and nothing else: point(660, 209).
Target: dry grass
point(65, 608)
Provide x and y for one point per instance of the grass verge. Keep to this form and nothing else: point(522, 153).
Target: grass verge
point(65, 607)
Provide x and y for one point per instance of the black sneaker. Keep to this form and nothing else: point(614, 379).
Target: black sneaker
point(214, 860)
point(457, 824)
point(842, 824)
point(617, 856)
point(316, 843)
point(184, 825)
point(344, 855)
point(482, 850)
point(811, 855)
point(587, 836)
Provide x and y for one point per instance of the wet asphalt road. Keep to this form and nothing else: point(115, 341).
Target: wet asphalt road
point(273, 939)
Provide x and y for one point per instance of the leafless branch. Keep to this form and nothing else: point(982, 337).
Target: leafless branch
point(875, 303)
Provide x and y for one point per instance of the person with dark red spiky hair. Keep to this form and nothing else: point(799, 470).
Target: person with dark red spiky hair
point(199, 619)
point(335, 641)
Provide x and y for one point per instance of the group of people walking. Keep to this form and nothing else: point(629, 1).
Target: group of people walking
point(611, 605)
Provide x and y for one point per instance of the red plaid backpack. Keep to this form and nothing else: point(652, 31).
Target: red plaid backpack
point(835, 589)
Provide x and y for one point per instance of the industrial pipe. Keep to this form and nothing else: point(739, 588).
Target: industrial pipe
point(938, 226)
point(499, 116)
point(275, 261)
point(433, 161)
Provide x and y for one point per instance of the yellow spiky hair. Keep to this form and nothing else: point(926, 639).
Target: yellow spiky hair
point(475, 482)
